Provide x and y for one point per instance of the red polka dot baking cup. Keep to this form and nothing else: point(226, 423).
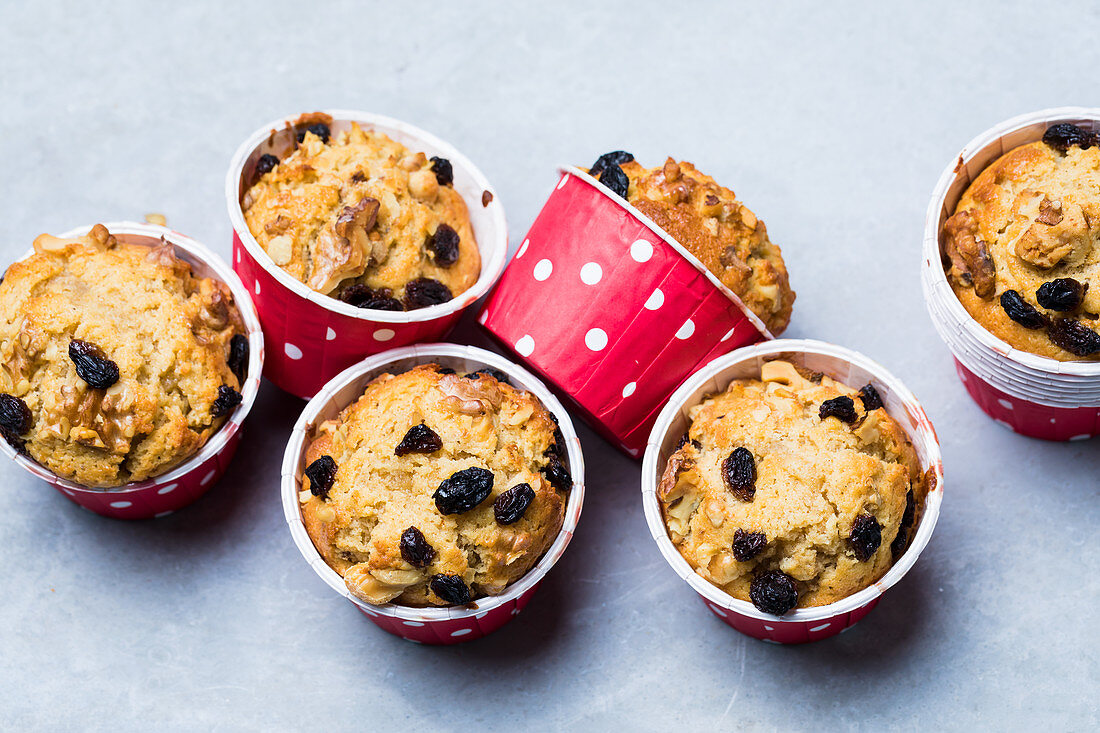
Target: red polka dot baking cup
point(603, 304)
point(449, 625)
point(1029, 394)
point(162, 495)
point(311, 336)
point(802, 624)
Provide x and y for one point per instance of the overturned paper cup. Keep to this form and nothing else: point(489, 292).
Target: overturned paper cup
point(447, 625)
point(1030, 394)
point(816, 622)
point(602, 303)
point(312, 336)
point(164, 494)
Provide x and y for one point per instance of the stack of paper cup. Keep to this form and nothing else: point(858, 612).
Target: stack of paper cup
point(855, 370)
point(429, 625)
point(1030, 394)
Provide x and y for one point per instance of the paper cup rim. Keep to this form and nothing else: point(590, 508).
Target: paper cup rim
point(491, 266)
point(670, 241)
point(933, 265)
point(426, 353)
point(249, 389)
point(712, 593)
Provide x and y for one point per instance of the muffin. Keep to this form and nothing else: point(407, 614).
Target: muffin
point(116, 362)
point(1021, 249)
point(362, 218)
point(792, 490)
point(708, 221)
point(434, 488)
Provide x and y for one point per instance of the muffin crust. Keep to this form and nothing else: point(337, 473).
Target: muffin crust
point(1031, 217)
point(709, 221)
point(814, 479)
point(380, 491)
point(358, 208)
point(168, 332)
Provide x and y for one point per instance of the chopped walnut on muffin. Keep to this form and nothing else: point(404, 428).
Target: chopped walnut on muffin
point(435, 488)
point(708, 221)
point(358, 216)
point(792, 490)
point(1021, 249)
point(116, 362)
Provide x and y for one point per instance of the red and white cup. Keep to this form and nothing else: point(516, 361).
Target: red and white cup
point(429, 625)
point(612, 311)
point(164, 494)
point(816, 622)
point(1030, 394)
point(312, 336)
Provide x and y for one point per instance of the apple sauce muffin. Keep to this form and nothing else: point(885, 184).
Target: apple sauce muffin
point(1021, 248)
point(116, 362)
point(435, 488)
point(792, 490)
point(708, 221)
point(362, 218)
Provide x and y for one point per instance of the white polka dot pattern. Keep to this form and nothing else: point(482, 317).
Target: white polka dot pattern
point(591, 273)
point(629, 388)
point(543, 269)
point(525, 346)
point(686, 330)
point(656, 300)
point(596, 339)
point(384, 334)
point(641, 251)
point(292, 351)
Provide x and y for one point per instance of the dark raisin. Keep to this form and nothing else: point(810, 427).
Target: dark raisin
point(843, 408)
point(870, 397)
point(424, 291)
point(557, 443)
point(684, 440)
point(14, 441)
point(92, 365)
point(486, 198)
point(464, 490)
point(618, 157)
point(1063, 294)
point(1021, 311)
point(444, 370)
point(443, 244)
point(227, 399)
point(1073, 336)
point(419, 439)
point(510, 505)
point(739, 473)
point(321, 473)
point(747, 545)
point(450, 588)
point(773, 592)
point(489, 372)
point(320, 129)
point(557, 474)
point(614, 178)
point(865, 537)
point(238, 356)
point(897, 547)
point(15, 416)
point(415, 550)
point(266, 164)
point(362, 296)
point(1064, 136)
point(443, 171)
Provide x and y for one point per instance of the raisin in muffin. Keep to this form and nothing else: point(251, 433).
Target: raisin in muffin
point(116, 362)
point(791, 490)
point(709, 221)
point(435, 488)
point(361, 217)
point(1021, 249)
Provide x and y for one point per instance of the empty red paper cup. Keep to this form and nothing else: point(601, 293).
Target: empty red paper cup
point(1030, 394)
point(313, 337)
point(164, 494)
point(611, 310)
point(817, 622)
point(448, 625)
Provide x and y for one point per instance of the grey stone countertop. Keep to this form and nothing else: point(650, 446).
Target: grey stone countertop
point(831, 122)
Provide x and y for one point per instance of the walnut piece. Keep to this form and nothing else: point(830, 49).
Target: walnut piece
point(971, 263)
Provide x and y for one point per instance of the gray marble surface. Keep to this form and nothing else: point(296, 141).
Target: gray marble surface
point(832, 123)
